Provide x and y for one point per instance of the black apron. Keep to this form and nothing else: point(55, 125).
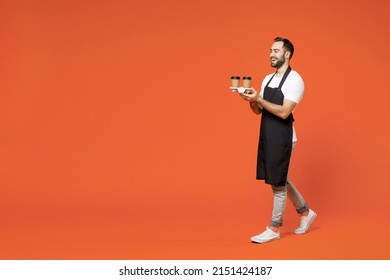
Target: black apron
point(275, 143)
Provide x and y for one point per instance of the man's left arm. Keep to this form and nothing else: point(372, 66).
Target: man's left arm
point(282, 111)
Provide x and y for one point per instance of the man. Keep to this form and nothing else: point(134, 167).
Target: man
point(280, 93)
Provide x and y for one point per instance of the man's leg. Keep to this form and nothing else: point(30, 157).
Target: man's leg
point(272, 231)
point(296, 198)
point(307, 215)
point(280, 200)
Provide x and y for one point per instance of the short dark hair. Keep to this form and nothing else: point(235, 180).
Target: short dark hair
point(287, 45)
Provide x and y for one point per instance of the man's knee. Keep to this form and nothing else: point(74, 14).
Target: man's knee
point(278, 188)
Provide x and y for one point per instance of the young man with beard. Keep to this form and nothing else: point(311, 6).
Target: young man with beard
point(280, 93)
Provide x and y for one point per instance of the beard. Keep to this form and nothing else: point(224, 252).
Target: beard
point(279, 62)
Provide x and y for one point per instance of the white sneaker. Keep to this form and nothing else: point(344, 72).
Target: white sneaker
point(266, 236)
point(306, 222)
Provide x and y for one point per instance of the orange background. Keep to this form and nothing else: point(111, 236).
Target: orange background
point(120, 139)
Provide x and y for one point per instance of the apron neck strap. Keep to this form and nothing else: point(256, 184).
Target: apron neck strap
point(285, 76)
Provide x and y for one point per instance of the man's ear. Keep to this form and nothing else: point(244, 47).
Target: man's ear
point(285, 54)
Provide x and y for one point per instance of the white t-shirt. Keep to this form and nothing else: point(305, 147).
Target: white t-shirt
point(292, 89)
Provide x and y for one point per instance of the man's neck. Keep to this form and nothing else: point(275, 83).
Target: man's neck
point(281, 70)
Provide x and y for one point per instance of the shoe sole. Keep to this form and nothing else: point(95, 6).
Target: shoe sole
point(308, 224)
point(265, 241)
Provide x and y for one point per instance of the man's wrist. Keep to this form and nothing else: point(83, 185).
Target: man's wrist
point(259, 100)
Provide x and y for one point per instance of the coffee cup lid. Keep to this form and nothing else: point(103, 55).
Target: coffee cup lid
point(235, 77)
point(247, 78)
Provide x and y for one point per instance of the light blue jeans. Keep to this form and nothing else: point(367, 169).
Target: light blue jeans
point(281, 193)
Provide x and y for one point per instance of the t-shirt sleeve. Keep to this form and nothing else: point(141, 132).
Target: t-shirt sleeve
point(293, 89)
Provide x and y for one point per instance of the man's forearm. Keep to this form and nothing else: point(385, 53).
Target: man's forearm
point(256, 108)
point(277, 110)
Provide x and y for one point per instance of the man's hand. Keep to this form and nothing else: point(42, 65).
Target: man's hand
point(250, 95)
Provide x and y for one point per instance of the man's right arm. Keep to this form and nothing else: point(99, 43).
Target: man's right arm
point(256, 108)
